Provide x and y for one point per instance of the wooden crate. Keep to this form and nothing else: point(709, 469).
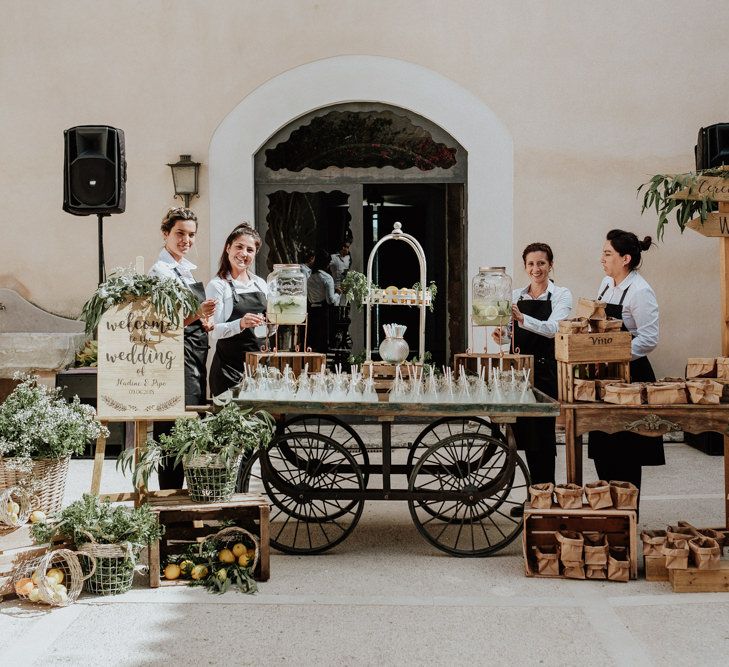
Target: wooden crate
point(592, 347)
point(540, 526)
point(566, 371)
point(295, 360)
point(655, 568)
point(471, 362)
point(383, 374)
point(188, 523)
point(17, 547)
point(693, 580)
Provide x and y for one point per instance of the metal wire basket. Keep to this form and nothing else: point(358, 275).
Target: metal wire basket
point(113, 566)
point(209, 479)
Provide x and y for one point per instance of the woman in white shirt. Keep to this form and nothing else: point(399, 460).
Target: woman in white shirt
point(320, 293)
point(240, 313)
point(179, 229)
point(629, 297)
point(537, 310)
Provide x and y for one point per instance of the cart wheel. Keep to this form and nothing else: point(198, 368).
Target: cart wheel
point(297, 464)
point(336, 429)
point(446, 427)
point(476, 480)
point(249, 475)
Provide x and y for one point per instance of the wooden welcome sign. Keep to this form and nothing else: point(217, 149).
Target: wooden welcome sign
point(141, 371)
point(715, 188)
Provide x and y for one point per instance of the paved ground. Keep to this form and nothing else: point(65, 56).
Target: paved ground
point(386, 597)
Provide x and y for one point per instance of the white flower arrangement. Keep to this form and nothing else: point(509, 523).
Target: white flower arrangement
point(37, 422)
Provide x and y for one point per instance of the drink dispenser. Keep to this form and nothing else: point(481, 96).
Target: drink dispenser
point(491, 297)
point(286, 295)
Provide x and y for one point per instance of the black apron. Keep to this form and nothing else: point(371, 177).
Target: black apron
point(621, 446)
point(226, 371)
point(537, 433)
point(196, 353)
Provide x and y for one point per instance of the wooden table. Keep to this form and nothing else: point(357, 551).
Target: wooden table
point(580, 418)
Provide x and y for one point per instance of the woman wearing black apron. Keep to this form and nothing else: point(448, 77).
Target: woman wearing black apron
point(537, 309)
point(620, 456)
point(240, 313)
point(179, 229)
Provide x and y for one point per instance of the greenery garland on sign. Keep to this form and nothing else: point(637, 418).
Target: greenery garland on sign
point(167, 295)
point(660, 188)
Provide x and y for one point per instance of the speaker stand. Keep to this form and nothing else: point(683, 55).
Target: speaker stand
point(102, 267)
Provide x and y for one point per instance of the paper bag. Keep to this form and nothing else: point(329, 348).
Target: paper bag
point(548, 560)
point(540, 496)
point(704, 392)
point(653, 541)
point(600, 386)
point(583, 390)
point(573, 569)
point(676, 553)
point(618, 564)
point(722, 368)
point(624, 495)
point(575, 325)
point(569, 496)
point(596, 548)
point(590, 310)
point(608, 324)
point(596, 571)
point(666, 393)
point(623, 393)
point(570, 545)
point(701, 367)
point(705, 553)
point(598, 494)
point(717, 535)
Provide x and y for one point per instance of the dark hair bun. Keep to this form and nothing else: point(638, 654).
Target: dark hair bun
point(646, 243)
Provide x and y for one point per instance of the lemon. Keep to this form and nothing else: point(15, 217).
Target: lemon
point(490, 312)
point(222, 575)
point(36, 577)
point(34, 595)
point(239, 549)
point(23, 587)
point(243, 560)
point(55, 575)
point(199, 572)
point(186, 567)
point(38, 517)
point(172, 571)
point(226, 556)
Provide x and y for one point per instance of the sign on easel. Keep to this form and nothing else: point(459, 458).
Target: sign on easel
point(141, 368)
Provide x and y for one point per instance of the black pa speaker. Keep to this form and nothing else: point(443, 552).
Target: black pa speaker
point(94, 170)
point(712, 146)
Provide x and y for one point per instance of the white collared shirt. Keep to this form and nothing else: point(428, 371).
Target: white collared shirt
point(320, 289)
point(561, 299)
point(219, 289)
point(338, 266)
point(166, 264)
point(640, 310)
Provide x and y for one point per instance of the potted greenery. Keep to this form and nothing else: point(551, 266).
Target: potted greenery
point(210, 450)
point(39, 430)
point(111, 535)
point(166, 297)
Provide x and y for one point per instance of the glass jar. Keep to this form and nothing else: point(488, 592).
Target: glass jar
point(394, 349)
point(491, 297)
point(286, 294)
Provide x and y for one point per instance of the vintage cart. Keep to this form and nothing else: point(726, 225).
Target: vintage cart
point(460, 476)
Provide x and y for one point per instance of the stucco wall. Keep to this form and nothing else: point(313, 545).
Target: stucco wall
point(596, 98)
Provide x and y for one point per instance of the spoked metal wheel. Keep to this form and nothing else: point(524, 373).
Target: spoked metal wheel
point(337, 430)
point(445, 428)
point(468, 483)
point(296, 467)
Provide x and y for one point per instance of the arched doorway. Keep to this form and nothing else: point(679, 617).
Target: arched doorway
point(330, 81)
point(347, 173)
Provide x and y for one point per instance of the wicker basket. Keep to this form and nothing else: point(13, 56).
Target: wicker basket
point(113, 571)
point(24, 501)
point(73, 577)
point(47, 479)
point(232, 535)
point(209, 480)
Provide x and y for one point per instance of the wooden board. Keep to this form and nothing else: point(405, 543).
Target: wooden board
point(141, 365)
point(540, 526)
point(715, 188)
point(295, 360)
point(693, 580)
point(566, 372)
point(189, 523)
point(715, 225)
point(599, 347)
